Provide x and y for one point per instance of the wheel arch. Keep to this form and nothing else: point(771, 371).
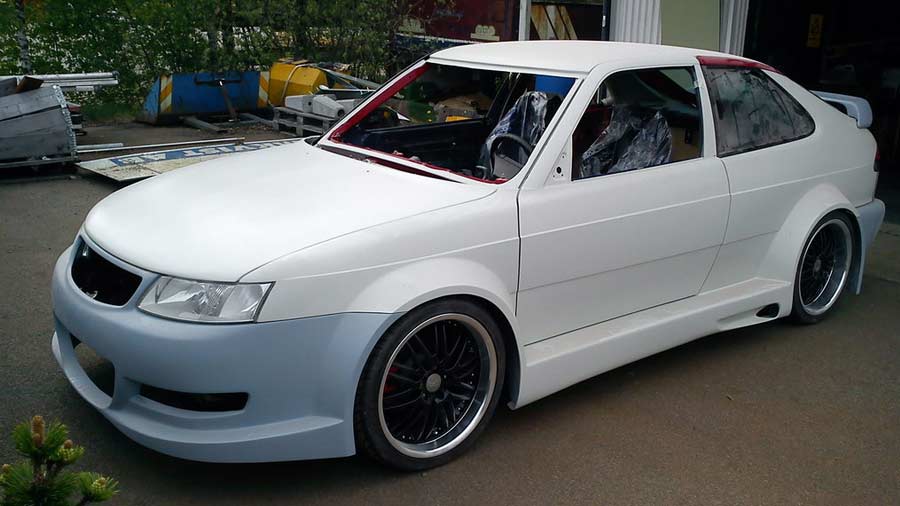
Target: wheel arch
point(511, 344)
point(784, 252)
point(432, 280)
point(856, 262)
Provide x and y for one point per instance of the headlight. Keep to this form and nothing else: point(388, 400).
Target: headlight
point(201, 301)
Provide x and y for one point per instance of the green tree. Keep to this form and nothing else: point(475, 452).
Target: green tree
point(141, 39)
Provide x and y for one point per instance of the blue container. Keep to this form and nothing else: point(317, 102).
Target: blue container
point(200, 94)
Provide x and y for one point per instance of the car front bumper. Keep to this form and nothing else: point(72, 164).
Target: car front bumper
point(300, 375)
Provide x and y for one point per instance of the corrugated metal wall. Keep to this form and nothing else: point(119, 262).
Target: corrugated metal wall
point(733, 25)
point(636, 21)
point(640, 21)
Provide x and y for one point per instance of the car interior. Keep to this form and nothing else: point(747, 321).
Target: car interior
point(484, 123)
point(463, 120)
point(638, 119)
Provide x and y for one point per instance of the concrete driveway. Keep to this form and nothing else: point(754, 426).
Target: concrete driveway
point(774, 414)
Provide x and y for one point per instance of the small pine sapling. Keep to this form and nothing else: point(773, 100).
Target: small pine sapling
point(41, 480)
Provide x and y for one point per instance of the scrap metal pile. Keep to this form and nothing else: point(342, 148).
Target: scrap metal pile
point(37, 123)
point(307, 98)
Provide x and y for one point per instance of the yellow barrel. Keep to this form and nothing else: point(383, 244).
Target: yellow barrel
point(291, 78)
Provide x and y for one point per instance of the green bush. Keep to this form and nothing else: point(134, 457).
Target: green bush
point(141, 39)
point(41, 480)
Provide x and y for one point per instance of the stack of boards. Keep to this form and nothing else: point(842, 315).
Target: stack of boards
point(35, 125)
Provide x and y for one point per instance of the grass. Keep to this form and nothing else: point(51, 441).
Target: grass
point(109, 112)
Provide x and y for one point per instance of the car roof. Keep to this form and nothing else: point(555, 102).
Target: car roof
point(568, 55)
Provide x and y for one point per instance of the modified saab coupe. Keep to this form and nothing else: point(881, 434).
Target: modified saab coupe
point(496, 223)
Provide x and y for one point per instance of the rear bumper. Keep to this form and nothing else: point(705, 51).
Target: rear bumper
point(300, 375)
point(870, 217)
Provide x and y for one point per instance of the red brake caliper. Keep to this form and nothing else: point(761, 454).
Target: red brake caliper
point(388, 385)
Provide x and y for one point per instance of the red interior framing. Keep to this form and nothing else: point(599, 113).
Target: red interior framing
point(383, 97)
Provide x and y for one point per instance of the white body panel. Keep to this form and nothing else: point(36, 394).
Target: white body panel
point(603, 247)
point(780, 192)
point(463, 250)
point(589, 274)
point(272, 203)
point(551, 365)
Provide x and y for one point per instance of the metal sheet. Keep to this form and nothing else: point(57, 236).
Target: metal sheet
point(88, 82)
point(143, 165)
point(35, 125)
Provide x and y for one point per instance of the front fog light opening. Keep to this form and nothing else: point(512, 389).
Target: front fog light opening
point(204, 301)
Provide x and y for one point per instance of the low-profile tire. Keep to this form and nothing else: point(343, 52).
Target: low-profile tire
point(824, 268)
point(430, 385)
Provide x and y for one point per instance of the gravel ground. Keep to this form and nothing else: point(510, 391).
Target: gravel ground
point(773, 414)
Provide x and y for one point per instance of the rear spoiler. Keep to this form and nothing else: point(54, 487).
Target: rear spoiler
point(855, 107)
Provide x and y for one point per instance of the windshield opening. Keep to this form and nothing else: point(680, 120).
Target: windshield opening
point(478, 123)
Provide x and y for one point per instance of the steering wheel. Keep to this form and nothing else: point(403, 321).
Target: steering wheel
point(525, 145)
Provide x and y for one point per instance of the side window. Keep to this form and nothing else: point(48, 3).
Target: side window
point(639, 119)
point(752, 111)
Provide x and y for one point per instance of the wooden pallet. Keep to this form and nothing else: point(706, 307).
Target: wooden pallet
point(301, 123)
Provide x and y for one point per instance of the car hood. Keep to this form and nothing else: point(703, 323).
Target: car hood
point(220, 219)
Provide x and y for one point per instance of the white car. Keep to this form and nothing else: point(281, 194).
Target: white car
point(497, 222)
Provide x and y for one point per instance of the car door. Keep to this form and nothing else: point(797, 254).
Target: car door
point(634, 211)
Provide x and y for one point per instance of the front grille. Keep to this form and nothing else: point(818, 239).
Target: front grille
point(102, 280)
point(196, 402)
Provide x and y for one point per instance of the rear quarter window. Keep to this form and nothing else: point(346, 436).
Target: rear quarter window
point(752, 111)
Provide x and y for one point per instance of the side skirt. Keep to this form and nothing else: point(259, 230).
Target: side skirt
point(556, 363)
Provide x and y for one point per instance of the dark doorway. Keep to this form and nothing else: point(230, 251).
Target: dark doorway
point(844, 46)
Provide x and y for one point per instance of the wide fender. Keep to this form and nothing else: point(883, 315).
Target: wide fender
point(781, 260)
point(410, 285)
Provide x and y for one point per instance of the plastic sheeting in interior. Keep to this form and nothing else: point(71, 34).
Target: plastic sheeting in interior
point(527, 118)
point(634, 139)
